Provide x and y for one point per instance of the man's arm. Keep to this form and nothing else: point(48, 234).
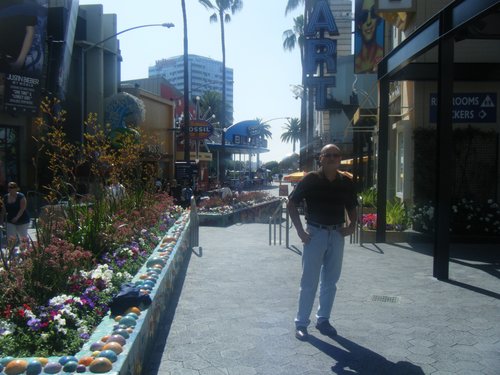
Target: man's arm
point(295, 217)
point(352, 214)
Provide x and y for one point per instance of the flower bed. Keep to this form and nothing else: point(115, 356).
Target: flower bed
point(394, 233)
point(58, 288)
point(50, 308)
point(118, 344)
point(240, 208)
point(468, 217)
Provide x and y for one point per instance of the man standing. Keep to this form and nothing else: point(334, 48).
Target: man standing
point(327, 194)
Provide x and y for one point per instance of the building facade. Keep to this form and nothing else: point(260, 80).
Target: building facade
point(204, 74)
point(353, 104)
point(75, 58)
point(413, 114)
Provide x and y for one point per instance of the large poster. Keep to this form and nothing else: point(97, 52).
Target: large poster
point(368, 37)
point(23, 25)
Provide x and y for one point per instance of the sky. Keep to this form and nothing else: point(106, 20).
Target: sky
point(263, 71)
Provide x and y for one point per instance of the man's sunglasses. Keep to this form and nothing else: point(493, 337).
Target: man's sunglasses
point(363, 15)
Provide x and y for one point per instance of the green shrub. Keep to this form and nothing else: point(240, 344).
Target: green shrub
point(369, 197)
point(396, 214)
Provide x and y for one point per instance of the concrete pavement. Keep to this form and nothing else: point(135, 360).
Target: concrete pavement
point(234, 310)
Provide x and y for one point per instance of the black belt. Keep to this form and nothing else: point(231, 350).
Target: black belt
point(322, 226)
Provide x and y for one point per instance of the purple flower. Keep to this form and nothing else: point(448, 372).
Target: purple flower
point(34, 324)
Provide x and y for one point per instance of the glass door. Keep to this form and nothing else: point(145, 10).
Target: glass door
point(9, 156)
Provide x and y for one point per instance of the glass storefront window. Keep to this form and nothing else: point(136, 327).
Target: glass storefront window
point(9, 156)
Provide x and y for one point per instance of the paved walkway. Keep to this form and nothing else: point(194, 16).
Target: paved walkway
point(235, 307)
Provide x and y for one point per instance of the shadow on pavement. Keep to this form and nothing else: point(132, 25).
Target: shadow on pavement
point(482, 257)
point(376, 249)
point(356, 359)
point(199, 254)
point(294, 249)
point(473, 288)
point(153, 359)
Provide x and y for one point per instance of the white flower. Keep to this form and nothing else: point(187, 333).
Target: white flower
point(103, 272)
point(60, 320)
point(59, 300)
point(29, 314)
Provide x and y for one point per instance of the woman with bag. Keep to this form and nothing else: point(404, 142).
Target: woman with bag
point(14, 205)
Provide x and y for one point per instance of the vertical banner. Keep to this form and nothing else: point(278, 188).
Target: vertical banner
point(368, 37)
point(61, 49)
point(23, 25)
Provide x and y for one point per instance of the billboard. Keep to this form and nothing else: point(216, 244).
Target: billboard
point(23, 25)
point(368, 37)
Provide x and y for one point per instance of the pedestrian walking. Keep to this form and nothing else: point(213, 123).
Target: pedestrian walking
point(328, 194)
point(14, 207)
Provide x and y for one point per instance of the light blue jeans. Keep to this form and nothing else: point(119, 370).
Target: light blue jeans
point(321, 262)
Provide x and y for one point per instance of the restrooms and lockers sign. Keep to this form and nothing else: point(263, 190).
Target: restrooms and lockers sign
point(468, 107)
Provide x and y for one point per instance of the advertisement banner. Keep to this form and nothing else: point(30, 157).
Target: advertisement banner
point(368, 37)
point(23, 25)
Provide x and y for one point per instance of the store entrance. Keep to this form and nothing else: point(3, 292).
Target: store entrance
point(9, 156)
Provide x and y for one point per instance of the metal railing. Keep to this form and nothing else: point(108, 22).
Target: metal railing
point(357, 237)
point(276, 223)
point(194, 235)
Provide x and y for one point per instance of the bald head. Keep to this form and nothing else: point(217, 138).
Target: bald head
point(330, 147)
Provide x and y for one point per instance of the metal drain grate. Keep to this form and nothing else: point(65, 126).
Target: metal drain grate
point(389, 299)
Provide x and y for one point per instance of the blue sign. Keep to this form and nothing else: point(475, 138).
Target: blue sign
point(255, 141)
point(469, 107)
point(320, 52)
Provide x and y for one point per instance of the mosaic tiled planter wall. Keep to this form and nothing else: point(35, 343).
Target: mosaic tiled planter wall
point(129, 339)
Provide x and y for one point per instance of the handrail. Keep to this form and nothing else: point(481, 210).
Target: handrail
point(194, 235)
point(276, 219)
point(277, 215)
point(356, 236)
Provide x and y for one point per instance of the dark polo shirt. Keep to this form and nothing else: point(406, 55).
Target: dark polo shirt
point(325, 200)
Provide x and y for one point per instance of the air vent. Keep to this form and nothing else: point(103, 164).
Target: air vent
point(389, 299)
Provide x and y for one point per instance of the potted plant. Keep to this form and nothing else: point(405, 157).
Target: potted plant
point(368, 198)
point(396, 223)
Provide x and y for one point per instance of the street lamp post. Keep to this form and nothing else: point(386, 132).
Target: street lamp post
point(168, 25)
point(83, 52)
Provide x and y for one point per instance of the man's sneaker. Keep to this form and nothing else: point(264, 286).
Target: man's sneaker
point(325, 328)
point(301, 333)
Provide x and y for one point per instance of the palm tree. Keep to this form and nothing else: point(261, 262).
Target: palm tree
point(292, 38)
point(264, 133)
point(291, 5)
point(222, 10)
point(295, 36)
point(264, 129)
point(292, 133)
point(211, 104)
